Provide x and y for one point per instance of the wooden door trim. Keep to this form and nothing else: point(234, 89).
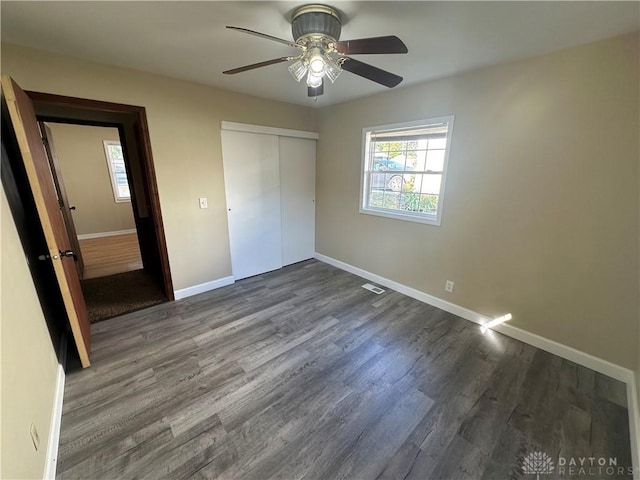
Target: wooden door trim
point(138, 114)
point(51, 99)
point(26, 130)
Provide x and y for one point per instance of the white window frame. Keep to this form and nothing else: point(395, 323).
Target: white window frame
point(114, 186)
point(364, 177)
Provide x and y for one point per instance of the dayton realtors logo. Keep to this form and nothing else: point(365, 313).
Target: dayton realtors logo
point(537, 463)
point(592, 466)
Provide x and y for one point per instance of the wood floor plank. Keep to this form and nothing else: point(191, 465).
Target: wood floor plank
point(95, 399)
point(324, 442)
point(610, 389)
point(116, 455)
point(200, 408)
point(402, 462)
point(605, 441)
point(510, 448)
point(461, 460)
point(110, 255)
point(384, 437)
point(302, 373)
point(183, 456)
point(267, 353)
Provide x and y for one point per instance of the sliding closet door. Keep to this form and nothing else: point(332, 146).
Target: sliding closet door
point(297, 198)
point(252, 183)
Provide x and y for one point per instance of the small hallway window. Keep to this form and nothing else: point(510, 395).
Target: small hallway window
point(117, 171)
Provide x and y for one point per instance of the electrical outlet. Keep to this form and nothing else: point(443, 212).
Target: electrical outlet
point(449, 286)
point(204, 203)
point(35, 438)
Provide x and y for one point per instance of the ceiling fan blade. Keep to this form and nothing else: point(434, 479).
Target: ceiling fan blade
point(264, 35)
point(315, 91)
point(388, 44)
point(370, 72)
point(257, 65)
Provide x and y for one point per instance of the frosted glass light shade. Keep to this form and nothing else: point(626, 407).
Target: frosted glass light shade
point(332, 70)
point(298, 69)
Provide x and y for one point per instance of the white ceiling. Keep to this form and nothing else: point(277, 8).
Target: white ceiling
point(187, 40)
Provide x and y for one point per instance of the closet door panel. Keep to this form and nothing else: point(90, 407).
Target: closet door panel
point(297, 198)
point(252, 183)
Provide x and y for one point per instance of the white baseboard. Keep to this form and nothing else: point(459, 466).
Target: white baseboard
point(54, 430)
point(203, 287)
point(106, 234)
point(569, 353)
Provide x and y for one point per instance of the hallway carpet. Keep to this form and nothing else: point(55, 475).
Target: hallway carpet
point(114, 295)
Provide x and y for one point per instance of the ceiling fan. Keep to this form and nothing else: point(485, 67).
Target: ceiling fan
point(316, 30)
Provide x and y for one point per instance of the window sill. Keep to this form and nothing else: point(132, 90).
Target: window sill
point(428, 220)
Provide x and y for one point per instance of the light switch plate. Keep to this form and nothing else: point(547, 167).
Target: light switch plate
point(204, 203)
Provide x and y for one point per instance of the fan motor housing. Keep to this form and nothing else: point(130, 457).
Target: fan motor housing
point(316, 20)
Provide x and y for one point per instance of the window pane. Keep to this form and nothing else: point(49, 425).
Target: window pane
point(435, 160)
point(115, 152)
point(383, 199)
point(429, 203)
point(410, 202)
point(419, 203)
point(438, 142)
point(428, 183)
point(396, 162)
point(391, 200)
point(409, 182)
point(375, 199)
point(417, 160)
point(123, 191)
point(118, 167)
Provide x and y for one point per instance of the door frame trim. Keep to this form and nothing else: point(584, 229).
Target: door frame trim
point(41, 99)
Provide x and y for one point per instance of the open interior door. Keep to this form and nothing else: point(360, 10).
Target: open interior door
point(36, 164)
point(63, 201)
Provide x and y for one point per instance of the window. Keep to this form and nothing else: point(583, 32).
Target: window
point(404, 169)
point(117, 171)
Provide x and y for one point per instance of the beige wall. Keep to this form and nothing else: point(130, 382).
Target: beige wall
point(86, 178)
point(28, 362)
point(541, 213)
point(184, 125)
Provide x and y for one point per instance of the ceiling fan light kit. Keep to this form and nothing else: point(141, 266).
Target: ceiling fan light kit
point(316, 19)
point(316, 30)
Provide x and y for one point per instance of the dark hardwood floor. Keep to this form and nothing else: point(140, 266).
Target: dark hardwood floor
point(301, 373)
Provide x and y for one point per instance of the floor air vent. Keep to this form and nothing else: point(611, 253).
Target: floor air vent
point(373, 288)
